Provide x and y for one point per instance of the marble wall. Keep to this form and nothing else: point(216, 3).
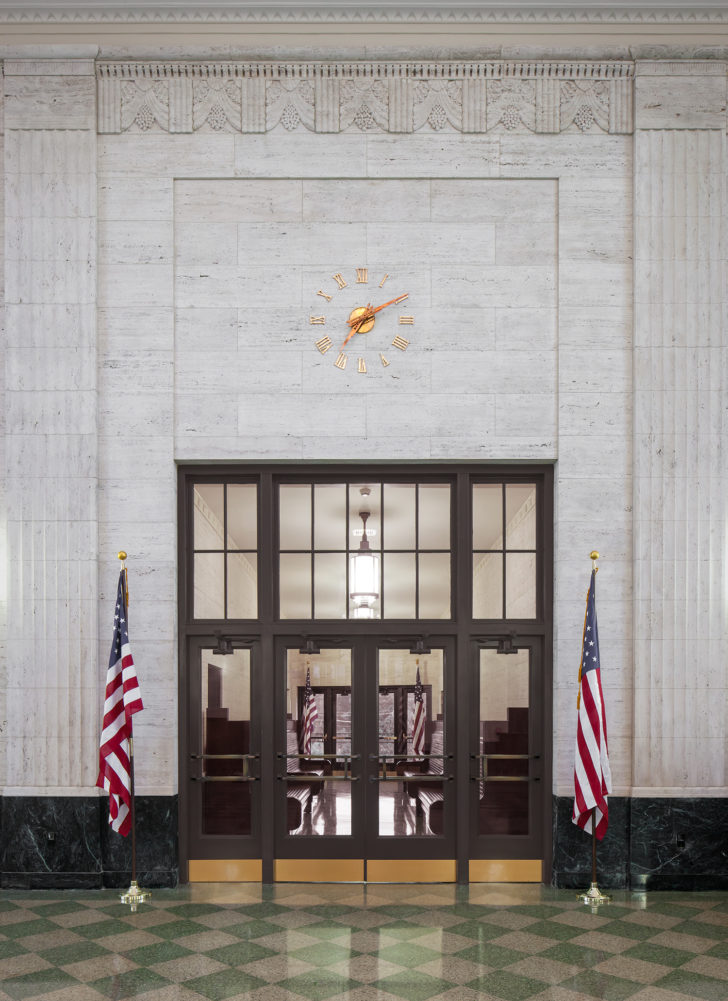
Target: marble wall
point(162, 231)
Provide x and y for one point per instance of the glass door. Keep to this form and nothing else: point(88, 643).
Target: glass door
point(364, 766)
point(507, 760)
point(223, 761)
point(318, 766)
point(411, 767)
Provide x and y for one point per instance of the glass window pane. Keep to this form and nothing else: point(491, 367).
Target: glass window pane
point(434, 516)
point(398, 529)
point(410, 806)
point(487, 585)
point(242, 516)
point(209, 599)
point(242, 583)
point(329, 583)
point(521, 585)
point(208, 515)
point(314, 807)
point(399, 586)
point(487, 516)
point(225, 691)
point(295, 586)
point(521, 516)
point(360, 500)
point(295, 516)
point(435, 586)
point(329, 506)
point(504, 718)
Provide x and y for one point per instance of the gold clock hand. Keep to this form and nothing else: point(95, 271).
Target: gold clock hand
point(356, 324)
point(370, 312)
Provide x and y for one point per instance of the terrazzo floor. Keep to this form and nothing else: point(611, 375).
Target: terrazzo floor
point(362, 943)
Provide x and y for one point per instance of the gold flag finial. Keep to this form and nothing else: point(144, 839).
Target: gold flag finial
point(594, 556)
point(121, 555)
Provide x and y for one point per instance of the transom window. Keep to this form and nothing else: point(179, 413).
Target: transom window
point(351, 548)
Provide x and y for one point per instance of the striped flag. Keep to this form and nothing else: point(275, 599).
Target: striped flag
point(310, 715)
point(418, 725)
point(123, 699)
point(592, 775)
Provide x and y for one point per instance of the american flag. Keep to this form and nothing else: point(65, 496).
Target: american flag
point(592, 775)
point(418, 725)
point(310, 715)
point(123, 699)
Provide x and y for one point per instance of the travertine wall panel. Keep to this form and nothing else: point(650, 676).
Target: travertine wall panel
point(593, 492)
point(50, 412)
point(679, 488)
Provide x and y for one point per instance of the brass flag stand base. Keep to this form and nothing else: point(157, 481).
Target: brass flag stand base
point(134, 896)
point(594, 896)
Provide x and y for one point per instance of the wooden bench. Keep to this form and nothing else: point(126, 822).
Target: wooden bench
point(429, 796)
point(299, 794)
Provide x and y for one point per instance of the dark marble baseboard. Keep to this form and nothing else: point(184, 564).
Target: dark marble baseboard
point(57, 842)
point(651, 844)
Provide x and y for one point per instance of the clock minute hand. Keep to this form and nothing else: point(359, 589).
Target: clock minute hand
point(358, 320)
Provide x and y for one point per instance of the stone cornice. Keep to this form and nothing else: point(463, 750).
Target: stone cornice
point(341, 12)
point(371, 96)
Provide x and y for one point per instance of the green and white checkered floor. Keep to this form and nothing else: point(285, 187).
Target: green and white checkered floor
point(374, 943)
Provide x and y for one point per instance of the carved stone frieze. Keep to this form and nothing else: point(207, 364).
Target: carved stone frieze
point(394, 97)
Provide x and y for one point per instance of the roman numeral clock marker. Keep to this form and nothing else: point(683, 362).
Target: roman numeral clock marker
point(359, 320)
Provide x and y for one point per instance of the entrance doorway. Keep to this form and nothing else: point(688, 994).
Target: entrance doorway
point(390, 725)
point(369, 770)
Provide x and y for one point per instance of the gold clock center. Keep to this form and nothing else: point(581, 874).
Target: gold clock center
point(367, 324)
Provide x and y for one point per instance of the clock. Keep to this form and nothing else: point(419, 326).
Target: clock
point(361, 319)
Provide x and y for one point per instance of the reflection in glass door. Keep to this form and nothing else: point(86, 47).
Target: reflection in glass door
point(223, 764)
point(318, 735)
point(508, 809)
point(364, 774)
point(411, 741)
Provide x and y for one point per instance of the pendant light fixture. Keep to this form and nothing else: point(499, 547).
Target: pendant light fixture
point(364, 569)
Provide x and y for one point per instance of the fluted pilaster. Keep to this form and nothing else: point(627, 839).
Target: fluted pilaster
point(50, 411)
point(679, 475)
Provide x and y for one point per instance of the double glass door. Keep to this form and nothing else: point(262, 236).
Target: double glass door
point(365, 766)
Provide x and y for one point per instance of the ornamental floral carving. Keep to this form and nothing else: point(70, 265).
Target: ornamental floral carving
point(364, 106)
point(512, 105)
point(438, 105)
point(144, 106)
point(584, 106)
point(216, 105)
point(290, 104)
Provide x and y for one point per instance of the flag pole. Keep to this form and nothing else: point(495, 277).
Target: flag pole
point(593, 897)
point(134, 895)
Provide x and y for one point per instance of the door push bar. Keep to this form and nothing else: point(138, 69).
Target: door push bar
point(244, 777)
point(310, 777)
point(384, 777)
point(485, 758)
